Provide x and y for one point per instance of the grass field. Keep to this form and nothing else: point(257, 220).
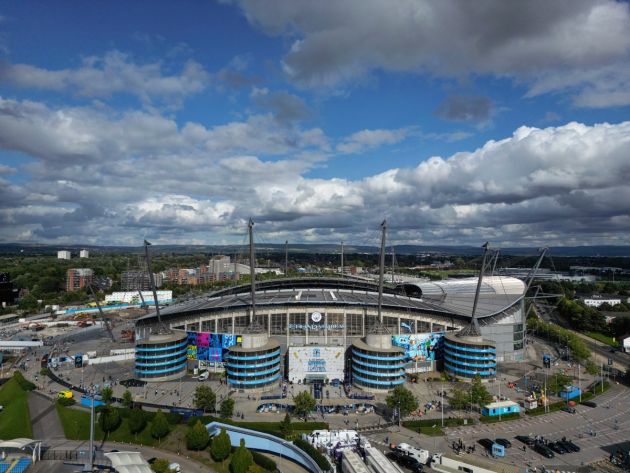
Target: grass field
point(603, 338)
point(15, 420)
point(76, 426)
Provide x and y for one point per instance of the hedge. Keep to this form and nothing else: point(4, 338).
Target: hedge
point(450, 422)
point(495, 419)
point(25, 384)
point(313, 453)
point(554, 406)
point(264, 461)
point(272, 428)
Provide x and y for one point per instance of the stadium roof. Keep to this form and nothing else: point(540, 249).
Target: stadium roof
point(450, 298)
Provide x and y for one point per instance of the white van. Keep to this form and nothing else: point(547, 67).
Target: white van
point(204, 376)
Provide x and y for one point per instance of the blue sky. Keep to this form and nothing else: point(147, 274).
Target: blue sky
point(458, 121)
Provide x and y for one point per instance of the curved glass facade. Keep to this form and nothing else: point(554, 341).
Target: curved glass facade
point(161, 359)
point(254, 368)
point(377, 369)
point(468, 359)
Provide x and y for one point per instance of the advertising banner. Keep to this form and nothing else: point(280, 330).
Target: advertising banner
point(421, 347)
point(315, 362)
point(205, 346)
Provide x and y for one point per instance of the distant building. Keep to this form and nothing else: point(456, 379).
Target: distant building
point(218, 265)
point(132, 297)
point(596, 301)
point(78, 278)
point(64, 254)
point(625, 343)
point(84, 254)
point(138, 281)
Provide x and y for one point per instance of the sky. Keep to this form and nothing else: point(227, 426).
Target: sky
point(459, 122)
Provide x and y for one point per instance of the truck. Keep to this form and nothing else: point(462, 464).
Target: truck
point(418, 453)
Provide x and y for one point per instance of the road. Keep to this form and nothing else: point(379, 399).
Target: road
point(621, 361)
point(609, 421)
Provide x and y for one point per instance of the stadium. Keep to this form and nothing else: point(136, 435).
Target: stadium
point(326, 329)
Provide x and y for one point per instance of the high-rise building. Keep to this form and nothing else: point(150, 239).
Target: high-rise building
point(218, 265)
point(78, 278)
point(84, 254)
point(63, 254)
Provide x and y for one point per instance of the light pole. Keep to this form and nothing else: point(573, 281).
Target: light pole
point(579, 383)
point(442, 403)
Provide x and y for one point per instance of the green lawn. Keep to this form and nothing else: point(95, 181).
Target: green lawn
point(603, 338)
point(76, 426)
point(15, 420)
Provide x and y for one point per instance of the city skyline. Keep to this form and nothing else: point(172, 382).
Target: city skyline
point(458, 122)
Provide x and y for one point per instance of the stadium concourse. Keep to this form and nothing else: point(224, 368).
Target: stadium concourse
point(327, 330)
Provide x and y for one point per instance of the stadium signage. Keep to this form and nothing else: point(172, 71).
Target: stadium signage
point(316, 326)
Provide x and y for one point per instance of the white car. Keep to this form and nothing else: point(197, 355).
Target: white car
point(1, 407)
point(175, 467)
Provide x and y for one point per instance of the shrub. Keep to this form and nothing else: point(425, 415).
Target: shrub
point(221, 446)
point(137, 421)
point(554, 406)
point(25, 384)
point(66, 402)
point(313, 453)
point(264, 461)
point(241, 460)
point(109, 419)
point(197, 437)
point(160, 427)
point(495, 419)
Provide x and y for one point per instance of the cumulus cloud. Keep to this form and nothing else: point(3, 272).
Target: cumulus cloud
point(368, 139)
point(113, 73)
point(101, 178)
point(469, 109)
point(285, 107)
point(539, 42)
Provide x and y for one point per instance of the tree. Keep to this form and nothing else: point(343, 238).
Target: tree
point(197, 437)
point(205, 398)
point(159, 426)
point(403, 399)
point(107, 394)
point(221, 446)
point(459, 399)
point(227, 407)
point(242, 459)
point(161, 465)
point(285, 425)
point(304, 404)
point(109, 419)
point(127, 399)
point(137, 421)
point(478, 393)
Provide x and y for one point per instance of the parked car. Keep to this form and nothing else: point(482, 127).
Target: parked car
point(544, 450)
point(505, 442)
point(572, 445)
point(569, 446)
point(589, 403)
point(569, 409)
point(526, 440)
point(486, 443)
point(557, 447)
